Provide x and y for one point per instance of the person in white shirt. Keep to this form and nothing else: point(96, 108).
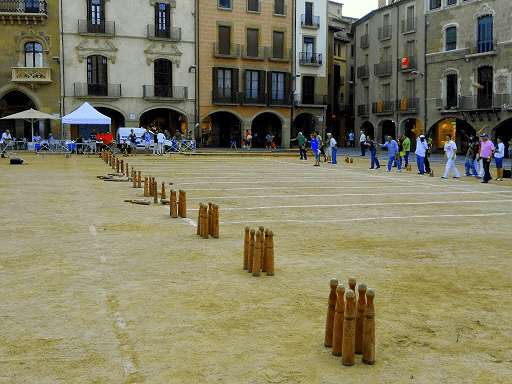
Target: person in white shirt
point(160, 137)
point(362, 140)
point(450, 154)
point(499, 154)
point(421, 150)
point(6, 139)
point(334, 150)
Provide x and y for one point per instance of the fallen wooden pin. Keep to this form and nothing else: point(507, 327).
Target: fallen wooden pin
point(121, 179)
point(142, 202)
point(103, 177)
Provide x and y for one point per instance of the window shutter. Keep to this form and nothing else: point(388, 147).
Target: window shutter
point(215, 82)
point(261, 87)
point(269, 85)
point(287, 87)
point(234, 84)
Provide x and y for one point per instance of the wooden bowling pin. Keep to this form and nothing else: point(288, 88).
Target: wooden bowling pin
point(331, 309)
point(210, 218)
point(199, 219)
point(270, 254)
point(146, 186)
point(183, 204)
point(173, 204)
point(134, 179)
point(361, 306)
point(155, 192)
point(139, 179)
point(352, 283)
point(369, 329)
point(163, 197)
point(246, 247)
point(264, 253)
point(256, 260)
point(251, 250)
point(349, 331)
point(339, 317)
point(215, 220)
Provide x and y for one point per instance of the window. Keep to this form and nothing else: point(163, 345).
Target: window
point(33, 55)
point(252, 42)
point(163, 78)
point(32, 6)
point(308, 90)
point(451, 2)
point(251, 84)
point(485, 26)
point(277, 44)
point(451, 90)
point(224, 82)
point(435, 4)
point(485, 78)
point(411, 48)
point(225, 85)
point(411, 89)
point(97, 75)
point(278, 86)
point(96, 16)
point(279, 7)
point(308, 17)
point(224, 40)
point(162, 14)
point(253, 5)
point(226, 4)
point(309, 50)
point(451, 38)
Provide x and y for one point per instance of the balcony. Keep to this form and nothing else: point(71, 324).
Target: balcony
point(254, 52)
point(406, 64)
point(31, 76)
point(409, 25)
point(408, 105)
point(363, 110)
point(164, 92)
point(383, 69)
point(310, 21)
point(19, 11)
point(226, 50)
point(384, 33)
point(310, 59)
point(84, 90)
point(171, 33)
point(363, 72)
point(382, 107)
point(107, 28)
point(483, 101)
point(226, 97)
point(478, 49)
point(285, 101)
point(365, 41)
point(258, 99)
point(310, 99)
point(276, 55)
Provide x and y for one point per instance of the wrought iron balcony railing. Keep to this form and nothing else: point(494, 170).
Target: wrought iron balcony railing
point(221, 49)
point(409, 25)
point(384, 106)
point(307, 58)
point(310, 21)
point(165, 91)
point(363, 71)
point(23, 6)
point(170, 33)
point(226, 97)
point(310, 99)
point(363, 110)
point(383, 69)
point(408, 104)
point(105, 28)
point(385, 32)
point(97, 90)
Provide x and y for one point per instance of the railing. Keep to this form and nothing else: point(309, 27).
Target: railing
point(483, 101)
point(310, 99)
point(31, 75)
point(383, 69)
point(363, 71)
point(254, 52)
point(226, 97)
point(165, 91)
point(363, 110)
point(409, 25)
point(307, 58)
point(260, 98)
point(475, 47)
point(226, 50)
point(285, 55)
point(23, 6)
point(385, 32)
point(408, 105)
point(447, 103)
point(410, 65)
point(101, 90)
point(104, 28)
point(385, 106)
point(310, 21)
point(285, 101)
point(365, 41)
point(171, 33)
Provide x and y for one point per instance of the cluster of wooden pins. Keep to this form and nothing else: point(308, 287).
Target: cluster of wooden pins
point(259, 251)
point(208, 220)
point(349, 159)
point(350, 327)
point(178, 203)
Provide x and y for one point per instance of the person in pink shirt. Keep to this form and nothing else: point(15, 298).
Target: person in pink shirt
point(486, 152)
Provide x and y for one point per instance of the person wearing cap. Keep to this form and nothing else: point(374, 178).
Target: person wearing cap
point(499, 154)
point(393, 151)
point(450, 154)
point(421, 151)
point(302, 146)
point(486, 152)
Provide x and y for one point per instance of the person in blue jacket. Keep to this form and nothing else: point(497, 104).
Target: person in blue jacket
point(393, 154)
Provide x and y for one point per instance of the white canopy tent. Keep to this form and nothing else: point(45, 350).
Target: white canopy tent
point(86, 114)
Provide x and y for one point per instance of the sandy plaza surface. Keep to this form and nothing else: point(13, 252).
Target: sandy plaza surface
point(97, 290)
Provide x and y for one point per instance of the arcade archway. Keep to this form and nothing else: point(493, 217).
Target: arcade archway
point(168, 121)
point(263, 124)
point(218, 129)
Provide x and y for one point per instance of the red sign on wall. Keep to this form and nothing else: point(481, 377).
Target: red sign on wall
point(405, 62)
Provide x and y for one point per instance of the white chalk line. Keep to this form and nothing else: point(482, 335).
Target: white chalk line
point(377, 218)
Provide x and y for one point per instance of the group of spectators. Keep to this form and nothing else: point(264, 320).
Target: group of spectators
point(320, 147)
point(158, 136)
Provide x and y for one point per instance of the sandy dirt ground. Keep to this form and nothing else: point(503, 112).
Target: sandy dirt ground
point(98, 290)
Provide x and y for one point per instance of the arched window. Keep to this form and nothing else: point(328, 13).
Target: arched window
point(485, 26)
point(33, 55)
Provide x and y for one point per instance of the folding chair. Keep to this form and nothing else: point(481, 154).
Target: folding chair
point(112, 147)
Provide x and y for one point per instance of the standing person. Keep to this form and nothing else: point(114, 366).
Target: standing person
point(6, 139)
point(155, 141)
point(351, 139)
point(510, 148)
point(406, 148)
point(334, 150)
point(146, 136)
point(400, 152)
point(486, 151)
point(450, 154)
point(328, 149)
point(427, 155)
point(133, 142)
point(248, 140)
point(373, 152)
point(499, 154)
point(301, 139)
point(160, 137)
point(392, 146)
point(315, 147)
point(421, 150)
point(362, 140)
point(470, 163)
